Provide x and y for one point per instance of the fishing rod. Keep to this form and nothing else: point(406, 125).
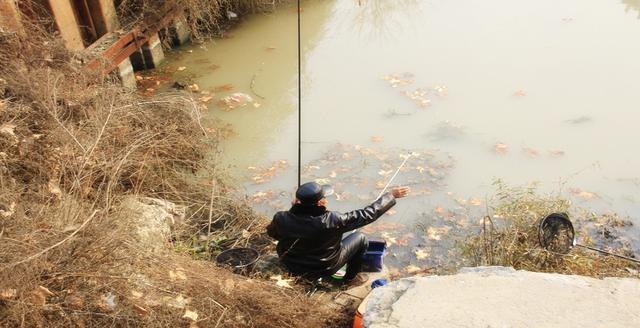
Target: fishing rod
point(299, 98)
point(394, 175)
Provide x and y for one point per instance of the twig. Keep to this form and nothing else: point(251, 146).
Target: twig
point(253, 86)
point(221, 316)
point(213, 191)
point(53, 246)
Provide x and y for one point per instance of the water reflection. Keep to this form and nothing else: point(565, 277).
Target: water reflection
point(384, 18)
point(632, 5)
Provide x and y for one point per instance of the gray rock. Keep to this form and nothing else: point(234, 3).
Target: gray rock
point(153, 219)
point(504, 297)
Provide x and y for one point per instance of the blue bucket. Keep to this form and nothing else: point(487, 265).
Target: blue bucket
point(373, 257)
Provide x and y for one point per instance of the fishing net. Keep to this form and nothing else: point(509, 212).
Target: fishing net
point(556, 233)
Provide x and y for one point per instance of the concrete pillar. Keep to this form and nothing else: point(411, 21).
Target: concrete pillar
point(67, 23)
point(126, 75)
point(137, 60)
point(104, 16)
point(150, 55)
point(179, 32)
point(10, 16)
point(152, 52)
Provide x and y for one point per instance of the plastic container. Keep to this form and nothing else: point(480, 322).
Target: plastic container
point(379, 283)
point(373, 257)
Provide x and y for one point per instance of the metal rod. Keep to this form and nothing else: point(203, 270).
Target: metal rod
point(394, 176)
point(609, 253)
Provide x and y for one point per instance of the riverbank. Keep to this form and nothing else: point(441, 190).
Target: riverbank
point(82, 159)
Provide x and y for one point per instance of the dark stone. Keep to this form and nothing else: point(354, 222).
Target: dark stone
point(179, 85)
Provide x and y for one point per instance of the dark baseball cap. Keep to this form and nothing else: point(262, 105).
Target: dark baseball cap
point(312, 192)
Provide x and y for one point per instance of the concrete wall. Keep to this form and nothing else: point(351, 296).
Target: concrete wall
point(67, 23)
point(9, 15)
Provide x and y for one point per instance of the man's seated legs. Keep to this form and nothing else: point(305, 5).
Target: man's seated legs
point(352, 250)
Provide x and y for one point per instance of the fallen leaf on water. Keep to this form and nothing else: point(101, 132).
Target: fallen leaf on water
point(270, 48)
point(583, 194)
point(181, 68)
point(421, 254)
point(380, 225)
point(531, 152)
point(377, 138)
point(394, 273)
point(205, 99)
point(396, 80)
point(437, 233)
point(385, 173)
point(224, 87)
point(236, 100)
point(405, 239)
point(419, 96)
point(556, 153)
point(188, 314)
point(390, 240)
point(322, 181)
point(501, 148)
point(284, 283)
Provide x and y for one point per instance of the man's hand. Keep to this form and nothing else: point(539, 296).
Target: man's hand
point(399, 192)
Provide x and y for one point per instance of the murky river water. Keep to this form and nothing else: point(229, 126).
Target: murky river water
point(526, 91)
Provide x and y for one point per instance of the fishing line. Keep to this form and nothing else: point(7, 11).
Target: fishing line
point(299, 99)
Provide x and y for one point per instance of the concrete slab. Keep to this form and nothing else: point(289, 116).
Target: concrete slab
point(504, 297)
point(360, 292)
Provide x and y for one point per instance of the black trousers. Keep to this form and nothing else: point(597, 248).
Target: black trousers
point(351, 252)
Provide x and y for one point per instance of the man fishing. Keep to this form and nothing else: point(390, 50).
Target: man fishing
point(310, 237)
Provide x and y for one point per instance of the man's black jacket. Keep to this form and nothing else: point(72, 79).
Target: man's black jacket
point(309, 235)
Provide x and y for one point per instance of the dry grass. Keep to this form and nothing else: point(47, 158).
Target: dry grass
point(510, 238)
point(205, 17)
point(73, 146)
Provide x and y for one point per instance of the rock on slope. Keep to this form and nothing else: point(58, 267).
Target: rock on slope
point(503, 297)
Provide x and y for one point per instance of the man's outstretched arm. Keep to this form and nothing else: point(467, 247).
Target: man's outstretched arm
point(360, 218)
